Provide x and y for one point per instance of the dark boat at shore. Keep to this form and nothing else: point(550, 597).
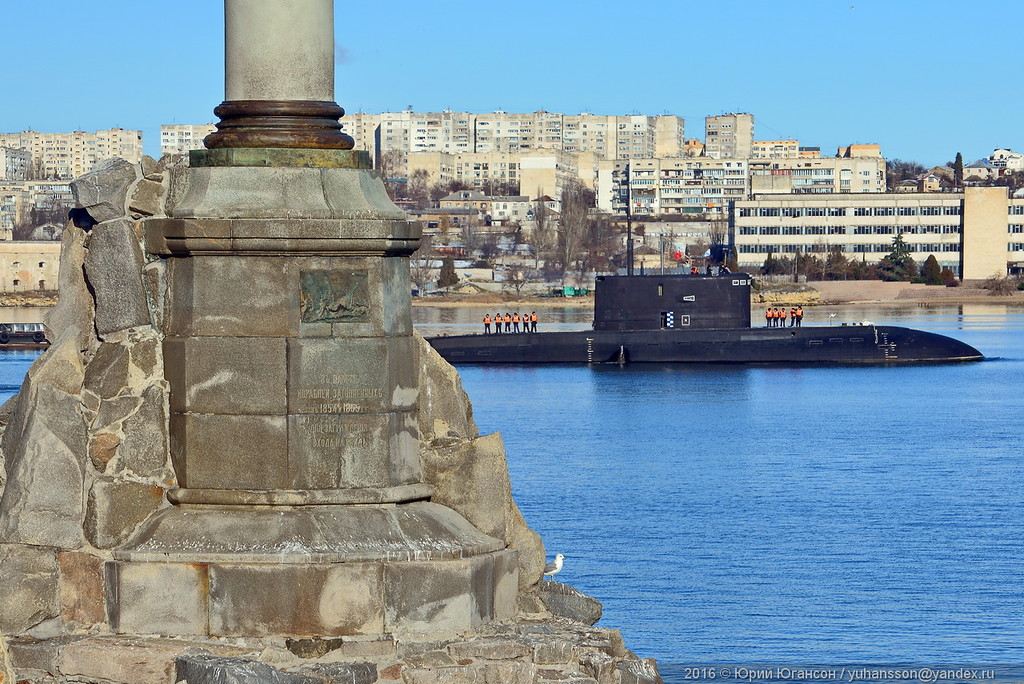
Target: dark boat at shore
point(699, 319)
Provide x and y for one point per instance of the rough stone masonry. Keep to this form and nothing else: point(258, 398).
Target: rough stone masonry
point(237, 461)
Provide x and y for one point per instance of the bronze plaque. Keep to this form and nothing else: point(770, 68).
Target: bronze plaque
point(333, 297)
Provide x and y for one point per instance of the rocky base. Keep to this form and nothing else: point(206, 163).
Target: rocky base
point(535, 649)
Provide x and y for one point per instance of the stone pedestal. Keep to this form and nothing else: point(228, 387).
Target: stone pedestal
point(293, 396)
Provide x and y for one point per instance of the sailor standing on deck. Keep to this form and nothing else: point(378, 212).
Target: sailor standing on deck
point(533, 322)
point(799, 316)
point(792, 317)
point(515, 322)
point(487, 324)
point(782, 317)
point(508, 322)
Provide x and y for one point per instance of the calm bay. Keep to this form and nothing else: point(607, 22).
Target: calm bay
point(767, 514)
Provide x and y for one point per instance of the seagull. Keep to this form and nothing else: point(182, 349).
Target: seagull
point(555, 566)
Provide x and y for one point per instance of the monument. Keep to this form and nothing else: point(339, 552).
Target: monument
point(237, 456)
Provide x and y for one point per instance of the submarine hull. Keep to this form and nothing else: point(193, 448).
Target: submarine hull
point(857, 344)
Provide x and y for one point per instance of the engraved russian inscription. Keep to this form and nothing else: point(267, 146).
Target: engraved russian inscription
point(333, 297)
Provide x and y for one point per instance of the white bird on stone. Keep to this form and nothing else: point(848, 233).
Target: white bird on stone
point(555, 566)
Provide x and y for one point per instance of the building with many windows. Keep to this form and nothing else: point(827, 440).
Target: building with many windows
point(180, 138)
point(19, 198)
point(64, 156)
point(729, 136)
point(671, 185)
point(15, 164)
point(976, 234)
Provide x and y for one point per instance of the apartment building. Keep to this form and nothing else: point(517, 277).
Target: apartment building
point(976, 234)
point(774, 149)
point(671, 185)
point(15, 164)
point(363, 129)
point(19, 198)
point(69, 155)
point(180, 138)
point(804, 175)
point(541, 172)
point(729, 136)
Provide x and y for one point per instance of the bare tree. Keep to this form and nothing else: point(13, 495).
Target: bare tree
point(577, 201)
point(543, 236)
point(391, 165)
point(516, 277)
point(421, 268)
point(417, 188)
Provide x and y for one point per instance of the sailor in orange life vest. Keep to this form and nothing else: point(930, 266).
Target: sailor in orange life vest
point(782, 317)
point(487, 323)
point(768, 317)
point(508, 322)
point(533, 322)
point(515, 322)
point(799, 316)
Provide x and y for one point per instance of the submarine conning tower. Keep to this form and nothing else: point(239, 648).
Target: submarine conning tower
point(655, 302)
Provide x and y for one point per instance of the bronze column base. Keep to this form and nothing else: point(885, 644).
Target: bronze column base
point(279, 123)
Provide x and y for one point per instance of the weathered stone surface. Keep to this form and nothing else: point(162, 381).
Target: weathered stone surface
point(107, 372)
point(102, 449)
point(147, 198)
point(82, 593)
point(74, 312)
point(210, 669)
point(335, 600)
point(28, 587)
point(154, 278)
point(446, 416)
point(112, 412)
point(113, 266)
point(42, 656)
point(121, 659)
point(491, 649)
point(47, 448)
point(116, 507)
point(220, 451)
point(157, 598)
point(472, 478)
point(566, 601)
point(439, 597)
point(639, 672)
point(144, 449)
point(103, 192)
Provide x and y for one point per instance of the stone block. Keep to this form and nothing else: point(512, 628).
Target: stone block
point(72, 317)
point(112, 411)
point(316, 600)
point(157, 598)
point(103, 192)
point(341, 673)
point(113, 267)
point(102, 449)
point(472, 478)
point(554, 652)
point(47, 446)
point(439, 597)
point(121, 659)
point(146, 359)
point(106, 374)
point(396, 296)
point(506, 584)
point(116, 507)
point(644, 671)
point(147, 198)
point(490, 649)
point(267, 306)
point(28, 587)
point(144, 449)
point(42, 656)
point(568, 602)
point(227, 375)
point(82, 592)
point(339, 451)
point(446, 416)
point(230, 452)
point(510, 673)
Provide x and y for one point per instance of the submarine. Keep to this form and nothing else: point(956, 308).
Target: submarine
point(698, 318)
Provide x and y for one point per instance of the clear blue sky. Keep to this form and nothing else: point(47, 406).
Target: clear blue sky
point(922, 79)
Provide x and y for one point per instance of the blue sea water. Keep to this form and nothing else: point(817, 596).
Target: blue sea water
point(780, 515)
point(764, 514)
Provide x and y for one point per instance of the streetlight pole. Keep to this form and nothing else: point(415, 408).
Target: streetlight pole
point(629, 224)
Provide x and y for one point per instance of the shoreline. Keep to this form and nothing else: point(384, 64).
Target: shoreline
point(472, 302)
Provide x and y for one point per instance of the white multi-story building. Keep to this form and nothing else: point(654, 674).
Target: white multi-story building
point(774, 149)
point(180, 138)
point(15, 164)
point(69, 155)
point(821, 175)
point(1007, 159)
point(976, 234)
point(673, 185)
point(729, 136)
point(19, 198)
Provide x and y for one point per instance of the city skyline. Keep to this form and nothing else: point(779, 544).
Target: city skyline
point(912, 77)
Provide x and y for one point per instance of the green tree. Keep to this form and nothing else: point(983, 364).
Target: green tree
point(898, 264)
point(932, 271)
point(958, 171)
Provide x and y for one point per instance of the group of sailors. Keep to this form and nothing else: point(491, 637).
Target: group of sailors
point(776, 317)
point(511, 321)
